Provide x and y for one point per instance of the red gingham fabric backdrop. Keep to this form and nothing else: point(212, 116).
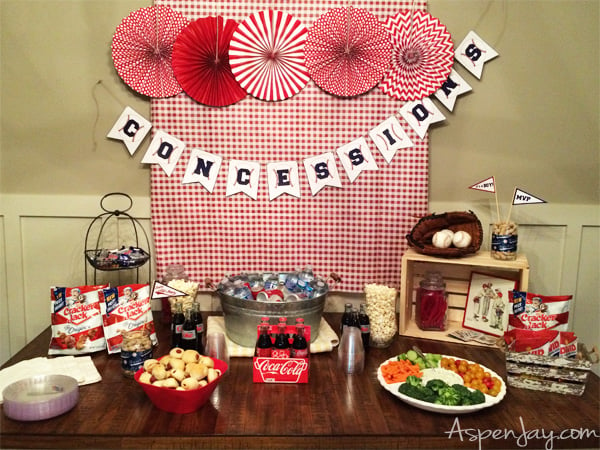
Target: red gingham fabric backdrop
point(357, 231)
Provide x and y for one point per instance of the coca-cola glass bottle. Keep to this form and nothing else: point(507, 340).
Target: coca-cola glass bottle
point(346, 317)
point(264, 345)
point(281, 347)
point(365, 325)
point(199, 323)
point(177, 325)
point(299, 344)
point(188, 332)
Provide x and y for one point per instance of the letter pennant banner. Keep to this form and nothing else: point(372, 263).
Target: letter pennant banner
point(473, 52)
point(131, 128)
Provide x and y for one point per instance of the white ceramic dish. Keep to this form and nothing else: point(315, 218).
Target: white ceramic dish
point(448, 376)
point(40, 397)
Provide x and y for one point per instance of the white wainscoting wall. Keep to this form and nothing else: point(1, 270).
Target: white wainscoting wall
point(43, 242)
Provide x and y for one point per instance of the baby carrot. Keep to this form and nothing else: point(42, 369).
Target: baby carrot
point(398, 371)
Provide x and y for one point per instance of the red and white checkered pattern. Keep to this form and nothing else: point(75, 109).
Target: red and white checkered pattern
point(357, 231)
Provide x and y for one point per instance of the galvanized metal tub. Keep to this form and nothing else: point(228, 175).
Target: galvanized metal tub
point(243, 316)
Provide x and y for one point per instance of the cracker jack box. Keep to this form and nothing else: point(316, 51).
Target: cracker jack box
point(281, 370)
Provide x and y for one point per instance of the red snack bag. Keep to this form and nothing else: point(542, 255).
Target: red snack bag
point(538, 312)
point(76, 320)
point(568, 344)
point(126, 308)
point(544, 342)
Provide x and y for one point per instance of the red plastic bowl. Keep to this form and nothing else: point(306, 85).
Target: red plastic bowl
point(181, 402)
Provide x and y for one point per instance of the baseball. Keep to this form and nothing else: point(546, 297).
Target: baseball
point(442, 239)
point(461, 239)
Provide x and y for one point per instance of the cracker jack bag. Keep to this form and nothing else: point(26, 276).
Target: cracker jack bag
point(538, 312)
point(126, 308)
point(76, 320)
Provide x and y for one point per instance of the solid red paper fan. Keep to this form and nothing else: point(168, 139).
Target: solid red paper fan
point(347, 51)
point(142, 47)
point(201, 62)
point(266, 55)
point(422, 58)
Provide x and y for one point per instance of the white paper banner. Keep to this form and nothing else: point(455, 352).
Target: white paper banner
point(473, 52)
point(203, 168)
point(356, 157)
point(164, 150)
point(389, 137)
point(523, 198)
point(131, 128)
point(321, 171)
point(454, 86)
point(243, 177)
point(283, 178)
point(487, 185)
point(420, 114)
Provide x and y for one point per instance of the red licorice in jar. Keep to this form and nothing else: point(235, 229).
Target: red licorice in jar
point(431, 303)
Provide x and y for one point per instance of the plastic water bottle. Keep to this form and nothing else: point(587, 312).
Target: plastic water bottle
point(291, 282)
point(240, 290)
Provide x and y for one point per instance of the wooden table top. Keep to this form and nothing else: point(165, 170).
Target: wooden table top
point(332, 410)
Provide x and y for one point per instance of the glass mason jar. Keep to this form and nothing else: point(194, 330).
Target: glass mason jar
point(431, 303)
point(381, 309)
point(135, 349)
point(505, 236)
point(173, 272)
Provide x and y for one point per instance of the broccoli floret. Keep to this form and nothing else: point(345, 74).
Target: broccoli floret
point(419, 392)
point(415, 381)
point(448, 396)
point(436, 385)
point(462, 390)
point(477, 397)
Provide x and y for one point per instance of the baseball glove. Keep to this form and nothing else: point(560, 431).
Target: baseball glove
point(422, 233)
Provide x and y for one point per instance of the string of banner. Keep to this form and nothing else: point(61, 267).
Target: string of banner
point(321, 171)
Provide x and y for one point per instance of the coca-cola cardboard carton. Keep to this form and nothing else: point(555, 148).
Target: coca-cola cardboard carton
point(278, 369)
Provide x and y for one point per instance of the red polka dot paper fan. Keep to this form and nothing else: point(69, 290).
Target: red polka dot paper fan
point(142, 47)
point(422, 58)
point(347, 51)
point(266, 55)
point(201, 62)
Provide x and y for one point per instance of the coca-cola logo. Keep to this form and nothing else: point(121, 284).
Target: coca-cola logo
point(286, 370)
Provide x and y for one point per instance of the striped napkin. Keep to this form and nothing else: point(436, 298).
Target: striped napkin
point(325, 342)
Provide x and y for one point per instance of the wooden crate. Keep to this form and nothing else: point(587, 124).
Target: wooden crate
point(547, 373)
point(457, 275)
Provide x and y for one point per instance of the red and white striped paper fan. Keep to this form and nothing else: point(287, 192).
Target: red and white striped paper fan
point(347, 51)
point(266, 55)
point(142, 47)
point(422, 58)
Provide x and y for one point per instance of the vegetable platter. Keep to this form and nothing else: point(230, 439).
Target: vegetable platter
point(441, 383)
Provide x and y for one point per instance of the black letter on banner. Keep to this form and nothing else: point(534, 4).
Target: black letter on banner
point(448, 85)
point(321, 170)
point(131, 124)
point(241, 179)
point(204, 167)
point(167, 153)
point(420, 112)
point(282, 177)
point(473, 52)
point(389, 137)
point(356, 157)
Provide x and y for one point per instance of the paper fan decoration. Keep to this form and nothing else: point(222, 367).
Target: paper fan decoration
point(347, 51)
point(141, 50)
point(201, 62)
point(422, 58)
point(267, 57)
